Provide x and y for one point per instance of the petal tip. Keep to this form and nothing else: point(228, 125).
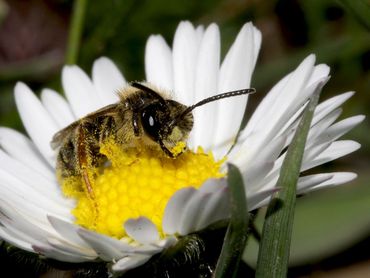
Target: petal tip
point(21, 88)
point(141, 229)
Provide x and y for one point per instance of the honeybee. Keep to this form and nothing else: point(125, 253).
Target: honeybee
point(143, 115)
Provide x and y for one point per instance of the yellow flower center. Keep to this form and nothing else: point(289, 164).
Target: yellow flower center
point(137, 182)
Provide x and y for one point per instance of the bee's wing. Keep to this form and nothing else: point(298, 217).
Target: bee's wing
point(61, 135)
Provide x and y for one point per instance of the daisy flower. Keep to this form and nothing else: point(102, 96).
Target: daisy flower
point(146, 201)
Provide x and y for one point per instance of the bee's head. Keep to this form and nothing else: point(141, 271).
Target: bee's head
point(156, 115)
point(168, 122)
point(175, 127)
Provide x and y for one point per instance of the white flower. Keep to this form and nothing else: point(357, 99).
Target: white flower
point(34, 214)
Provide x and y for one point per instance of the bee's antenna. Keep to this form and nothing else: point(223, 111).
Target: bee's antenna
point(211, 99)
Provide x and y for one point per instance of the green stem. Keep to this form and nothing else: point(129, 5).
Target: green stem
point(75, 31)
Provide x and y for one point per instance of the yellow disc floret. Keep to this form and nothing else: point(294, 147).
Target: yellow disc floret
point(137, 182)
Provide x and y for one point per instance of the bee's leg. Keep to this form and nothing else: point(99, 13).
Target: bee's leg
point(85, 160)
point(85, 157)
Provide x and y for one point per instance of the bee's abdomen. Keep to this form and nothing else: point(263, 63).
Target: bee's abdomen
point(67, 164)
point(73, 151)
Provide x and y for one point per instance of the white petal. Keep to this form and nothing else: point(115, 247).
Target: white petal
point(68, 231)
point(36, 120)
point(191, 211)
point(241, 153)
point(320, 71)
point(199, 33)
point(263, 109)
point(52, 253)
point(32, 204)
point(282, 96)
point(337, 149)
point(26, 230)
point(22, 149)
point(185, 50)
point(314, 155)
point(80, 92)
point(57, 107)
point(173, 210)
point(158, 63)
point(28, 213)
point(206, 85)
point(339, 129)
point(257, 39)
point(306, 182)
point(107, 248)
point(213, 185)
point(283, 115)
point(326, 107)
point(163, 244)
point(4, 235)
point(313, 151)
point(15, 237)
point(235, 73)
point(238, 65)
point(294, 112)
point(215, 207)
point(107, 80)
point(30, 180)
point(203, 207)
point(64, 246)
point(142, 230)
point(255, 174)
point(337, 179)
point(319, 127)
point(130, 262)
point(264, 135)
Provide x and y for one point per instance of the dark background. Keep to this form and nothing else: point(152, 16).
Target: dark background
point(332, 227)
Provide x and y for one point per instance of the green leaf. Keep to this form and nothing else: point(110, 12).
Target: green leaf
point(274, 250)
point(236, 234)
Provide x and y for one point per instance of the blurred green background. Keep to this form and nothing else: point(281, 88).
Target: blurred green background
point(332, 227)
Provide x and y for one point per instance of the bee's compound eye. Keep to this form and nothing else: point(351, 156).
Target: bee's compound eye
point(150, 121)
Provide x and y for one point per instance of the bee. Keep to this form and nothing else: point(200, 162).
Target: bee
point(143, 115)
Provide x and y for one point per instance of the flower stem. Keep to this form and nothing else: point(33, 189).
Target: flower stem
point(75, 31)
